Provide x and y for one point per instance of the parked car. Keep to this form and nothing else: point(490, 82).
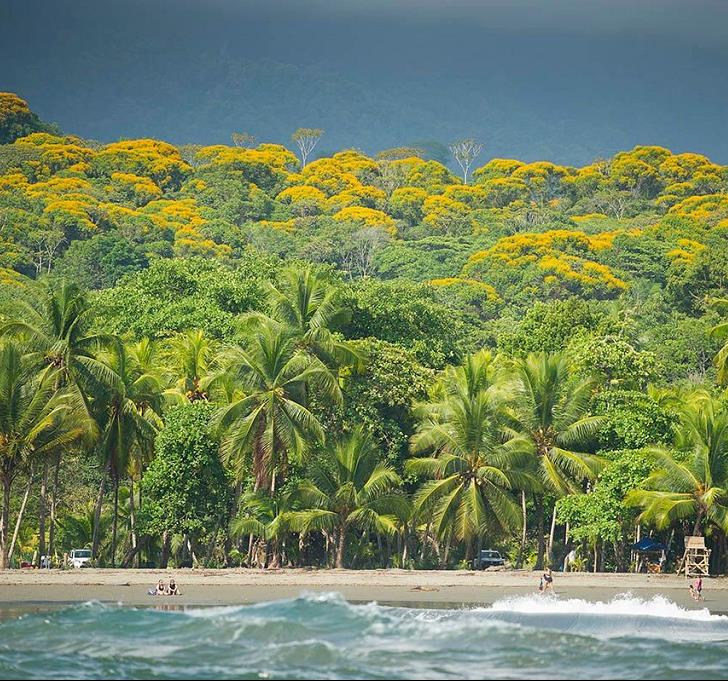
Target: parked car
point(488, 558)
point(78, 558)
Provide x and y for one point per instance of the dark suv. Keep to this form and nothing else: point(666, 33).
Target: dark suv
point(488, 558)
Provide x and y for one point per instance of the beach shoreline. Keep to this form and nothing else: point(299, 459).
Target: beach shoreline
point(457, 588)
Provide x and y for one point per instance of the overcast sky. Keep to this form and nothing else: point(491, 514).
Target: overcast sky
point(565, 78)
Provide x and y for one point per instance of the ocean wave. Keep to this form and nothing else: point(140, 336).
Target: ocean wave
point(324, 636)
point(625, 604)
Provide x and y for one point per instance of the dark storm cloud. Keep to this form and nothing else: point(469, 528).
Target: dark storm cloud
point(564, 79)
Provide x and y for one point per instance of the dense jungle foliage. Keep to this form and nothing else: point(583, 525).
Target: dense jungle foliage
point(228, 355)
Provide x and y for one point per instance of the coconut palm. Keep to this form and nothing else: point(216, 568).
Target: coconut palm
point(270, 421)
point(36, 420)
point(476, 463)
point(349, 487)
point(127, 423)
point(693, 486)
point(309, 306)
point(190, 357)
point(54, 326)
point(550, 407)
point(267, 518)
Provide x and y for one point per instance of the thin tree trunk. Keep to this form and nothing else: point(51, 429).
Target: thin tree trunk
point(191, 549)
point(132, 515)
point(250, 550)
point(54, 508)
point(97, 517)
point(541, 532)
point(423, 543)
point(114, 521)
point(21, 512)
point(524, 532)
point(340, 546)
point(42, 511)
point(446, 554)
point(5, 524)
point(551, 537)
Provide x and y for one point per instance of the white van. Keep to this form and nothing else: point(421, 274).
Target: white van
point(79, 557)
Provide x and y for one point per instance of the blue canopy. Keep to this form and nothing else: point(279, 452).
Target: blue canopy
point(649, 544)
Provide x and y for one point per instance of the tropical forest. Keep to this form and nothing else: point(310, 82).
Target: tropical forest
point(250, 355)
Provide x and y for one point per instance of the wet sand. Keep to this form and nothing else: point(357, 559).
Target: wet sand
point(403, 587)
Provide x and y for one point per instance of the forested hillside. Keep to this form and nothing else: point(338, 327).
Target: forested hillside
point(359, 360)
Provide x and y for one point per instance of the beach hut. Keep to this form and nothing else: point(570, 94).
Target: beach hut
point(647, 550)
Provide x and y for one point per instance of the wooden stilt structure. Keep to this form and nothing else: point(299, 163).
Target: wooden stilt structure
point(696, 559)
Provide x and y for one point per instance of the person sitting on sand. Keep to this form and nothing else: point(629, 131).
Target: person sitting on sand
point(172, 589)
point(159, 590)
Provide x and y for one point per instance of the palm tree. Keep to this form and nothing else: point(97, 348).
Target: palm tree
point(55, 327)
point(36, 419)
point(126, 421)
point(310, 308)
point(54, 324)
point(267, 518)
point(550, 407)
point(270, 420)
point(693, 487)
point(349, 487)
point(190, 358)
point(475, 463)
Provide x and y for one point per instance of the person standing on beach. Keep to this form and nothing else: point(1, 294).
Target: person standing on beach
point(696, 589)
point(546, 582)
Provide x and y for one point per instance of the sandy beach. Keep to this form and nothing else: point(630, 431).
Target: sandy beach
point(404, 587)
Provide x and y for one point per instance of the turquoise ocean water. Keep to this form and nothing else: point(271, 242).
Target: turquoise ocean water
point(323, 636)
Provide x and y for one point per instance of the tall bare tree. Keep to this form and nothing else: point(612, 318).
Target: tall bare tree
point(465, 152)
point(306, 139)
point(243, 139)
point(363, 246)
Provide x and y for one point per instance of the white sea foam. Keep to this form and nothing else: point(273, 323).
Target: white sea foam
point(625, 604)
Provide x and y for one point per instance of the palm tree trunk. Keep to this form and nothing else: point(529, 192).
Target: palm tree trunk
point(524, 532)
point(54, 507)
point(340, 545)
point(132, 515)
point(42, 512)
point(250, 550)
point(541, 532)
point(114, 521)
point(551, 537)
point(698, 521)
point(21, 513)
point(5, 524)
point(97, 516)
point(446, 554)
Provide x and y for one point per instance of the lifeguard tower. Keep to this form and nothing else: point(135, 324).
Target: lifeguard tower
point(696, 559)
